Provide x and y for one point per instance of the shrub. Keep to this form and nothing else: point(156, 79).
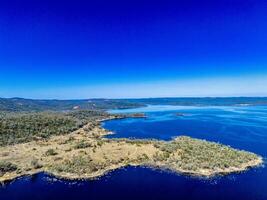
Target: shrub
point(50, 152)
point(100, 143)
point(7, 167)
point(35, 164)
point(82, 145)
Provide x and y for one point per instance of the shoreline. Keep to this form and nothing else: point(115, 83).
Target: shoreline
point(71, 177)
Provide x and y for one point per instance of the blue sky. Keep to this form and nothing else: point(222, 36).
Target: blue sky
point(87, 49)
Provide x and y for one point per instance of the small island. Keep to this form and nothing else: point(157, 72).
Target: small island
point(72, 146)
point(137, 115)
point(179, 114)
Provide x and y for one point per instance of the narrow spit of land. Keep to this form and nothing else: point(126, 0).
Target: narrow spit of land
point(86, 154)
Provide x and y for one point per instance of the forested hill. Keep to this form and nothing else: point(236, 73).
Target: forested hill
point(20, 104)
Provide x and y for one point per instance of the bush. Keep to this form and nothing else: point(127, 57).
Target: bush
point(7, 167)
point(50, 152)
point(100, 143)
point(82, 145)
point(35, 164)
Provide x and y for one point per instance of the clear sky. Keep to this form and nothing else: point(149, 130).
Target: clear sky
point(88, 49)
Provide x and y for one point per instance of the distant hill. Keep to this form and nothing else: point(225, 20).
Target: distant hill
point(20, 104)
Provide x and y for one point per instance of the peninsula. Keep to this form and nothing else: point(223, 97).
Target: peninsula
point(72, 146)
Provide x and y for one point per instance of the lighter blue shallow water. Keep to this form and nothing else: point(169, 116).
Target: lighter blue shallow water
point(241, 127)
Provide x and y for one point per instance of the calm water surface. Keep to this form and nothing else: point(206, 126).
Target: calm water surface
point(241, 127)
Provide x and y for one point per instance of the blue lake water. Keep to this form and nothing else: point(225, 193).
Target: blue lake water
point(241, 127)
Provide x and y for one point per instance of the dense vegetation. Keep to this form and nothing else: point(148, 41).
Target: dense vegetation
point(197, 154)
point(24, 127)
point(85, 115)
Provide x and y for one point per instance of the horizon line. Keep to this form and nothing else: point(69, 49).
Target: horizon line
point(125, 98)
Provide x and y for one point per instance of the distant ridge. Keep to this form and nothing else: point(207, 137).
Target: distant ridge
point(21, 104)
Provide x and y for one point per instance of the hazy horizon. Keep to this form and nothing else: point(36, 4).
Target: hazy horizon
point(192, 97)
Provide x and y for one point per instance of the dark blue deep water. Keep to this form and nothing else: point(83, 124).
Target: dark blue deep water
point(241, 127)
